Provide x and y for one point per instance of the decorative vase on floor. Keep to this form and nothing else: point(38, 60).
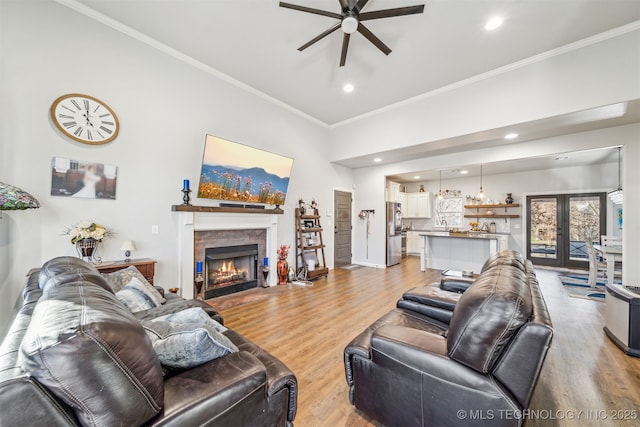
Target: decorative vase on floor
point(283, 270)
point(509, 199)
point(87, 250)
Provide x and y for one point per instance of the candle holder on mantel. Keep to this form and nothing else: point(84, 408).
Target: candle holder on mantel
point(185, 191)
point(265, 272)
point(185, 198)
point(198, 281)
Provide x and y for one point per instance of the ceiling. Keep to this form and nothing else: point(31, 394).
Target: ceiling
point(253, 43)
point(561, 160)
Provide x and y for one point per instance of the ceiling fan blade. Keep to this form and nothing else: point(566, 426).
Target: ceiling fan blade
point(310, 10)
point(345, 46)
point(359, 6)
point(388, 13)
point(320, 36)
point(373, 39)
point(344, 5)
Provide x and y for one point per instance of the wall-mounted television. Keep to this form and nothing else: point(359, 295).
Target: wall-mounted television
point(236, 172)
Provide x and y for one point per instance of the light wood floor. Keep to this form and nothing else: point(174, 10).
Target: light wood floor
point(308, 328)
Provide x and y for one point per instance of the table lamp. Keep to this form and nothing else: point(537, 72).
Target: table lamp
point(127, 247)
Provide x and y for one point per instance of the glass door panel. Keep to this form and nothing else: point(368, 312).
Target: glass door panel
point(543, 229)
point(584, 222)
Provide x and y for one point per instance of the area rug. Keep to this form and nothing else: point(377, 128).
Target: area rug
point(577, 285)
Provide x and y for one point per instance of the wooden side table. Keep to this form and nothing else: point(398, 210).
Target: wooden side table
point(146, 266)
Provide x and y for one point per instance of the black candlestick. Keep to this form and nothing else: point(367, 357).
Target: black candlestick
point(186, 198)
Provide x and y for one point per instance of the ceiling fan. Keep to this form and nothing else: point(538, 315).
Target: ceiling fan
point(351, 21)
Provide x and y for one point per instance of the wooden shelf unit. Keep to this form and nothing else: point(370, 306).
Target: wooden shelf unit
point(505, 215)
point(309, 227)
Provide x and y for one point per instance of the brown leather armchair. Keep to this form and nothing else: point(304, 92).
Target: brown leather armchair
point(478, 367)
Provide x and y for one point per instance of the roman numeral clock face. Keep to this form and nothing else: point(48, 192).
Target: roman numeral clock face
point(85, 119)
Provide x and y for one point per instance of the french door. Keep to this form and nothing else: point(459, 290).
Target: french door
point(557, 226)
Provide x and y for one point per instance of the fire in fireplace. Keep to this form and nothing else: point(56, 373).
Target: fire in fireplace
point(230, 269)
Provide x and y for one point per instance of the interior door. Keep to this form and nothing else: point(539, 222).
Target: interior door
point(558, 224)
point(342, 228)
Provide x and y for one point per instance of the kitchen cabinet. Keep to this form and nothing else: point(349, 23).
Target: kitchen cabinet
point(418, 205)
point(402, 199)
point(392, 192)
point(413, 242)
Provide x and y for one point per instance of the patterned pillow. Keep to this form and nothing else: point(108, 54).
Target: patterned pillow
point(118, 279)
point(149, 291)
point(186, 345)
point(192, 315)
point(136, 296)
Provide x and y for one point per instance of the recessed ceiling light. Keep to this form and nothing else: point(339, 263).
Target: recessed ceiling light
point(416, 177)
point(511, 135)
point(377, 160)
point(464, 171)
point(493, 23)
point(348, 88)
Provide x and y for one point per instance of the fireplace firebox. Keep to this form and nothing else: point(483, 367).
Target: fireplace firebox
point(230, 269)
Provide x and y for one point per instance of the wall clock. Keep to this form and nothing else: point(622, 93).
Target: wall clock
point(85, 119)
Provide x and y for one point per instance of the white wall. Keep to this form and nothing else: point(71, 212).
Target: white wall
point(165, 109)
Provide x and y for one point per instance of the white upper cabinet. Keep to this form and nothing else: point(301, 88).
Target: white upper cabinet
point(418, 205)
point(393, 192)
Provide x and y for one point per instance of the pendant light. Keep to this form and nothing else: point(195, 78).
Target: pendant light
point(481, 193)
point(440, 195)
point(616, 195)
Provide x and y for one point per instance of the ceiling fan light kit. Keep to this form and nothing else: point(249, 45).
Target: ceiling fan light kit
point(351, 22)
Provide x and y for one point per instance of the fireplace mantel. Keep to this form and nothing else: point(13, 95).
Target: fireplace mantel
point(226, 209)
point(190, 221)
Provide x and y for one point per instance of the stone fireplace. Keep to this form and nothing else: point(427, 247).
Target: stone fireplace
point(199, 231)
point(230, 269)
point(230, 259)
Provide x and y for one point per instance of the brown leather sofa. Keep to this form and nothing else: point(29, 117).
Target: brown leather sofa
point(91, 363)
point(477, 366)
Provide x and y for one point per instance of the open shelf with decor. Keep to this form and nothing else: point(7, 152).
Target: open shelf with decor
point(484, 211)
point(309, 246)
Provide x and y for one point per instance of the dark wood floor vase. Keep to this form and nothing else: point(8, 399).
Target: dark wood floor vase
point(585, 381)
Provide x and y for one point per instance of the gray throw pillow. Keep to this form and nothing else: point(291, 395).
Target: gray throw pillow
point(149, 291)
point(119, 279)
point(135, 297)
point(186, 345)
point(192, 315)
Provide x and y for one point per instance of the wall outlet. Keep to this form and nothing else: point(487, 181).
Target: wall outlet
point(155, 229)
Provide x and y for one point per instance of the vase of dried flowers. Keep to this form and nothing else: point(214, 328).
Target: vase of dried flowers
point(86, 236)
point(282, 266)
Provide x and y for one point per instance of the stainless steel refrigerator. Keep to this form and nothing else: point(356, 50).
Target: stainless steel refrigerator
point(394, 228)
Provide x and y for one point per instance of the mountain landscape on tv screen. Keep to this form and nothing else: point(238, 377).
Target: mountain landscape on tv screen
point(254, 184)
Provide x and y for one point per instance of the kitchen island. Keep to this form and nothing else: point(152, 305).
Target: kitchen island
point(443, 250)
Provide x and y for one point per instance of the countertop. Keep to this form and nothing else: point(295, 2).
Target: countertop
point(470, 235)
